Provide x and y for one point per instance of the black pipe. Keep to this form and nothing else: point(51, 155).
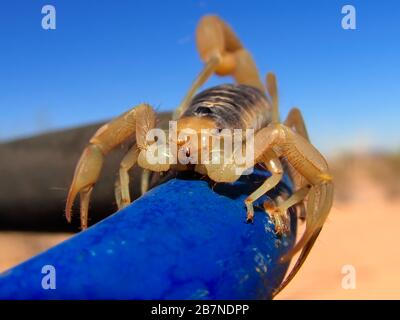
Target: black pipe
point(35, 174)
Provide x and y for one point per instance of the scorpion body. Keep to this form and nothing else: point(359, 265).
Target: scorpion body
point(232, 106)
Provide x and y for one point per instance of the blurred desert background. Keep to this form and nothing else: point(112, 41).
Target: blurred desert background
point(362, 231)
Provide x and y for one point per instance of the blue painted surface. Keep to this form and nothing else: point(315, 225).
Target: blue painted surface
point(181, 240)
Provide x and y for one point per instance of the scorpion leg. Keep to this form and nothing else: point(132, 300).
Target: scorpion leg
point(122, 195)
point(264, 142)
point(279, 214)
point(308, 162)
point(90, 163)
point(146, 176)
point(145, 120)
point(292, 142)
point(275, 167)
point(295, 121)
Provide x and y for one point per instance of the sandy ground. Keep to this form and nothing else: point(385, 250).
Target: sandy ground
point(16, 247)
point(361, 235)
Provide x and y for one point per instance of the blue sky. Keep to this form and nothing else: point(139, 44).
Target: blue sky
point(106, 56)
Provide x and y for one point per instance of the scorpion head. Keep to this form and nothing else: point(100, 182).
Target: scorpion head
point(192, 139)
point(201, 143)
point(196, 143)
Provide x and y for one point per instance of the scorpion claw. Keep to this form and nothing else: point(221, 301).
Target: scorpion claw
point(86, 175)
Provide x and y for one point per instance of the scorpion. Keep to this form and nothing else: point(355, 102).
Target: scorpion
point(246, 104)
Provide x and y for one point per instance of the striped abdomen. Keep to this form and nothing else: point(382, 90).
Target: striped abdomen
point(232, 106)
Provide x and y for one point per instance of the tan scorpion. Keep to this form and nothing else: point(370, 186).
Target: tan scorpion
point(247, 104)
